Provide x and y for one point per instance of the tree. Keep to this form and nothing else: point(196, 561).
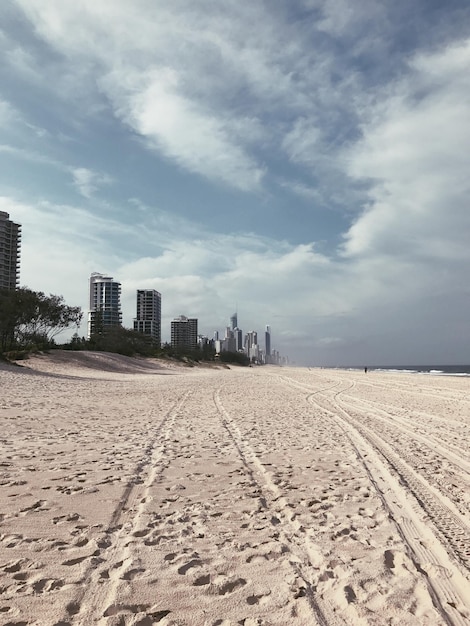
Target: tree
point(234, 357)
point(9, 319)
point(122, 341)
point(28, 317)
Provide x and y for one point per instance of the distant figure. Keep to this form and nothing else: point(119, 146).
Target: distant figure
point(365, 370)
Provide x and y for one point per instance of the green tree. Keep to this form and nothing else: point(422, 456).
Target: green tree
point(122, 341)
point(30, 317)
point(240, 358)
point(9, 319)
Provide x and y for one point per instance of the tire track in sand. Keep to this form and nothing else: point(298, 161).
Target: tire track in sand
point(95, 603)
point(305, 557)
point(423, 453)
point(447, 585)
point(449, 522)
point(450, 525)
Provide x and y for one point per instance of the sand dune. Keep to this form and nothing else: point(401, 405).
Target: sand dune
point(135, 492)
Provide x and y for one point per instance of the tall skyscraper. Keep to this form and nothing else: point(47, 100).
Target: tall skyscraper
point(10, 241)
point(184, 332)
point(267, 344)
point(238, 339)
point(234, 321)
point(229, 343)
point(149, 314)
point(105, 304)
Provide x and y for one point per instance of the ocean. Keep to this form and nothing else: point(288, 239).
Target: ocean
point(436, 370)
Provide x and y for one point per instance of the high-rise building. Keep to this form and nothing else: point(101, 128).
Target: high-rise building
point(251, 345)
point(251, 339)
point(238, 339)
point(10, 241)
point(234, 321)
point(105, 304)
point(184, 332)
point(267, 344)
point(149, 314)
point(229, 343)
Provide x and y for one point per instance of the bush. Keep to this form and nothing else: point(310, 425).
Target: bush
point(240, 358)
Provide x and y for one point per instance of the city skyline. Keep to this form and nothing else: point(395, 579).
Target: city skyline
point(305, 159)
point(105, 311)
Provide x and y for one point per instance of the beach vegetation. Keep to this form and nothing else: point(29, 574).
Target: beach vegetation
point(239, 358)
point(31, 320)
point(121, 340)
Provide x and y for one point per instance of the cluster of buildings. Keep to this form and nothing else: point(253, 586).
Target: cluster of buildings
point(105, 309)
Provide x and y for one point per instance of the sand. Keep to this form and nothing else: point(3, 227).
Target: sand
point(138, 492)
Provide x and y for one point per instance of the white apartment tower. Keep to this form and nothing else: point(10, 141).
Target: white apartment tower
point(251, 345)
point(105, 304)
point(149, 314)
point(184, 332)
point(10, 241)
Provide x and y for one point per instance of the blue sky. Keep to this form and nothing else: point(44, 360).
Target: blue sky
point(305, 161)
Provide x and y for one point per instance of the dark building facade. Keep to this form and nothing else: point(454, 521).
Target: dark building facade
point(267, 344)
point(10, 242)
point(184, 332)
point(149, 314)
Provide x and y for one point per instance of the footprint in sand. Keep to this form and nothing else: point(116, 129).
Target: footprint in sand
point(75, 561)
point(193, 563)
point(45, 585)
point(258, 599)
point(37, 506)
point(222, 585)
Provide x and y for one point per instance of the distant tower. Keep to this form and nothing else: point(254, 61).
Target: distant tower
point(251, 344)
point(184, 332)
point(149, 314)
point(105, 304)
point(238, 339)
point(251, 338)
point(267, 343)
point(234, 321)
point(10, 241)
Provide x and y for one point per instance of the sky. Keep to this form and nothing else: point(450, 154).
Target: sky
point(303, 162)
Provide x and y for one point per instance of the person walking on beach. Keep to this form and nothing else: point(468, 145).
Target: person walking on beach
point(365, 370)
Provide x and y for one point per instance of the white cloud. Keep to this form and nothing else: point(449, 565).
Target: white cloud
point(413, 153)
point(12, 120)
point(182, 130)
point(302, 190)
point(7, 113)
point(202, 86)
point(302, 142)
point(87, 181)
point(168, 99)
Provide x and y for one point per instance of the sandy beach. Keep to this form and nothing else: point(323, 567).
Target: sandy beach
point(139, 492)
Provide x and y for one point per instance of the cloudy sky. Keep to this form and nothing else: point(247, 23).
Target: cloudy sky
point(304, 161)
